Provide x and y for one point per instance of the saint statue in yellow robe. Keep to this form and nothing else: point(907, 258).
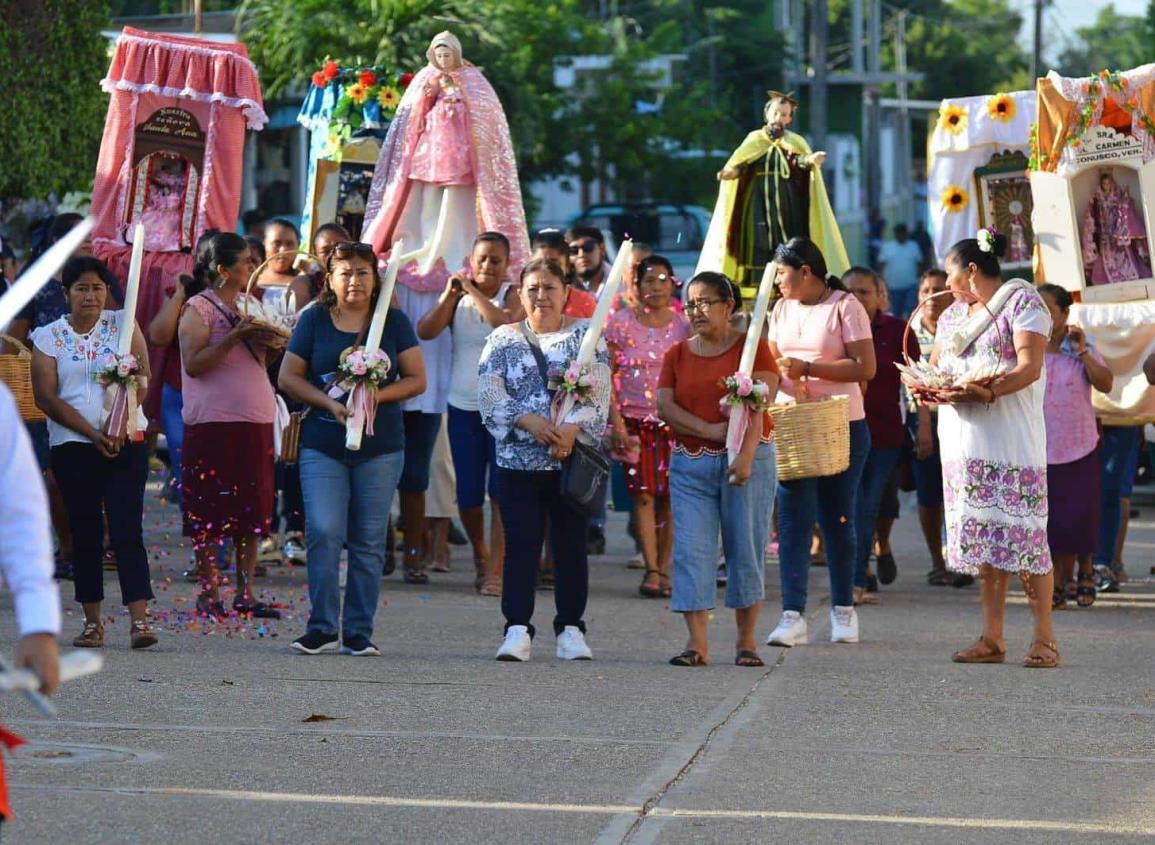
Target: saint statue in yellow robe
point(771, 190)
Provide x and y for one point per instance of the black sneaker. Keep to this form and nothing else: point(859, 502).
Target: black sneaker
point(359, 646)
point(314, 642)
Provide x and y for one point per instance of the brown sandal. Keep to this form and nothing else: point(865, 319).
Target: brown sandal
point(983, 651)
point(651, 586)
point(1039, 661)
point(91, 637)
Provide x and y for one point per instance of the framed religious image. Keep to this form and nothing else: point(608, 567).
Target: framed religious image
point(1003, 187)
point(167, 168)
point(341, 186)
point(1092, 219)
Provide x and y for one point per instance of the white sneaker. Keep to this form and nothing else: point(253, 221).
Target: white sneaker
point(517, 644)
point(571, 645)
point(791, 630)
point(843, 625)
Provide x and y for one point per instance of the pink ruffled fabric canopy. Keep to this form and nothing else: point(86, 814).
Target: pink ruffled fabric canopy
point(205, 71)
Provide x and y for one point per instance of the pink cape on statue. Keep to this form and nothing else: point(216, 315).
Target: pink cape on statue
point(498, 205)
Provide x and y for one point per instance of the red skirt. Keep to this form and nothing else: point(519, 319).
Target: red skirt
point(227, 473)
point(651, 474)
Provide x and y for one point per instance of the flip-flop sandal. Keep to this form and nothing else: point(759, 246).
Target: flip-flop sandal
point(689, 657)
point(748, 658)
point(887, 569)
point(416, 576)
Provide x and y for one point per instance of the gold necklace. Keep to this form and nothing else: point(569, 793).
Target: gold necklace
point(800, 321)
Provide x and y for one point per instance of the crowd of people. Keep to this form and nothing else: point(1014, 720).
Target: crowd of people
point(478, 403)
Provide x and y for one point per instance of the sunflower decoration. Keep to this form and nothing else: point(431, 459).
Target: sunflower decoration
point(1001, 107)
point(358, 93)
point(363, 93)
point(955, 199)
point(952, 118)
point(388, 98)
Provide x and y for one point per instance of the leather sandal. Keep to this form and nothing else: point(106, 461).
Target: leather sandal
point(983, 651)
point(651, 586)
point(1041, 661)
point(1085, 591)
point(689, 657)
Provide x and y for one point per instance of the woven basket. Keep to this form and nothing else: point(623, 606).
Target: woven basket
point(812, 438)
point(16, 372)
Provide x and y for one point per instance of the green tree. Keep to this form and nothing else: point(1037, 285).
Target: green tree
point(52, 58)
point(1114, 41)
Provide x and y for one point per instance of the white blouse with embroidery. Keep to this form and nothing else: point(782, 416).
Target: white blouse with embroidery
point(78, 359)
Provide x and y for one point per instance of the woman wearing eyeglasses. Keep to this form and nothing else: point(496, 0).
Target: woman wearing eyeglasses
point(709, 494)
point(348, 495)
point(820, 336)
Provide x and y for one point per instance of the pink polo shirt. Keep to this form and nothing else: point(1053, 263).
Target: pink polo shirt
point(820, 333)
point(1070, 418)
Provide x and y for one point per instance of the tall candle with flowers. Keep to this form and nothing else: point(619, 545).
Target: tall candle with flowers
point(746, 398)
point(121, 374)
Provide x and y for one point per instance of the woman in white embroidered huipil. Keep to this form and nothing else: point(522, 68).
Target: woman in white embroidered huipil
point(994, 450)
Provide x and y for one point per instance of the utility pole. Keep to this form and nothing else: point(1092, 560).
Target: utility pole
point(198, 18)
point(904, 157)
point(857, 63)
point(819, 34)
point(872, 158)
point(1037, 54)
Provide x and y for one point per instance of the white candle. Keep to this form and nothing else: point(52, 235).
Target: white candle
point(757, 319)
point(381, 311)
point(132, 291)
point(37, 275)
point(605, 300)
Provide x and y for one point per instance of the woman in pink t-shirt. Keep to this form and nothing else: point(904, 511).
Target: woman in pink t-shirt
point(1073, 367)
point(820, 336)
point(227, 463)
point(638, 338)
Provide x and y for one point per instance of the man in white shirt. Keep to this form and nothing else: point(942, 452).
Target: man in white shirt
point(26, 549)
point(901, 266)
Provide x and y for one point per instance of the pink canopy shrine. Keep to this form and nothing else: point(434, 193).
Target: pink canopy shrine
point(172, 154)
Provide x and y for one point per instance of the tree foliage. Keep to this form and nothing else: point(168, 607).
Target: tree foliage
point(52, 58)
point(1114, 41)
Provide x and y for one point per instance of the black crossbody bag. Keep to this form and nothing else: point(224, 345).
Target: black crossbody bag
point(586, 469)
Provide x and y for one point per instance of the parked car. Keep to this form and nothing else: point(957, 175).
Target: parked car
point(674, 230)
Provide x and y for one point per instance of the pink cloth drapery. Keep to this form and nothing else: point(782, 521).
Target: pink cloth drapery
point(499, 205)
point(218, 85)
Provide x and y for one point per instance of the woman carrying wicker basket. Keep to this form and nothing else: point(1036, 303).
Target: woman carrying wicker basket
point(820, 335)
point(994, 449)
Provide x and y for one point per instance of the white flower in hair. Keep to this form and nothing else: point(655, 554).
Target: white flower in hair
point(986, 239)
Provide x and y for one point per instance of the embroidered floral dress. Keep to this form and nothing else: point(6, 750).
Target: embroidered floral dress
point(994, 459)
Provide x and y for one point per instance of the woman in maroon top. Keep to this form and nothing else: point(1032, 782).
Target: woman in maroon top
point(883, 403)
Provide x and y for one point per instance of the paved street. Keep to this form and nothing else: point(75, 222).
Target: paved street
point(224, 735)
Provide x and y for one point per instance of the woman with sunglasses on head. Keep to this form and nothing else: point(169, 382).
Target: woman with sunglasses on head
point(348, 495)
point(709, 493)
point(820, 335)
point(638, 338)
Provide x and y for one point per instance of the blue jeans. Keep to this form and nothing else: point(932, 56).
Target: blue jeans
point(832, 502)
point(348, 503)
point(474, 458)
point(1119, 455)
point(876, 473)
point(171, 403)
point(704, 502)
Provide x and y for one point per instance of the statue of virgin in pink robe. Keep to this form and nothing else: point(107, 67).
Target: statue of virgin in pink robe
point(1114, 236)
point(449, 140)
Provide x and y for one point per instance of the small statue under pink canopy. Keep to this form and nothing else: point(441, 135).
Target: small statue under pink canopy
point(448, 141)
point(1114, 237)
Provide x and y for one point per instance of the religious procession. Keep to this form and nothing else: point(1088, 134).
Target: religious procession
point(344, 359)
